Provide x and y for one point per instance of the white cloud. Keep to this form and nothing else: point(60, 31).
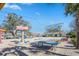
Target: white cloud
point(14, 7)
point(37, 13)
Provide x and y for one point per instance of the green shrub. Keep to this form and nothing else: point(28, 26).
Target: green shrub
point(71, 34)
point(73, 41)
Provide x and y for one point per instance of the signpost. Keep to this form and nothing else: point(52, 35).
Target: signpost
point(22, 28)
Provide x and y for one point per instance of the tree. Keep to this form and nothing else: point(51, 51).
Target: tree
point(71, 34)
point(73, 26)
point(54, 28)
point(73, 9)
point(12, 20)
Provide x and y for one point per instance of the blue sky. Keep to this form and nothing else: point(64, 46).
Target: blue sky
point(39, 15)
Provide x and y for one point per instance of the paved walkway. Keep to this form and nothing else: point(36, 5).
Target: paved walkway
point(7, 48)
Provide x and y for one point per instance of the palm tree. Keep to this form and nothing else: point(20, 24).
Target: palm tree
point(73, 9)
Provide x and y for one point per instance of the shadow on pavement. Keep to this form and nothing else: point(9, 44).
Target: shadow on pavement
point(15, 42)
point(48, 52)
point(12, 51)
point(69, 48)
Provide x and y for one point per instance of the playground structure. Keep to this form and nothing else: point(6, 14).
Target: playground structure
point(2, 34)
point(22, 29)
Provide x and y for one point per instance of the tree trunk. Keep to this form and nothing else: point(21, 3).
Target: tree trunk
point(13, 33)
point(77, 30)
point(77, 46)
